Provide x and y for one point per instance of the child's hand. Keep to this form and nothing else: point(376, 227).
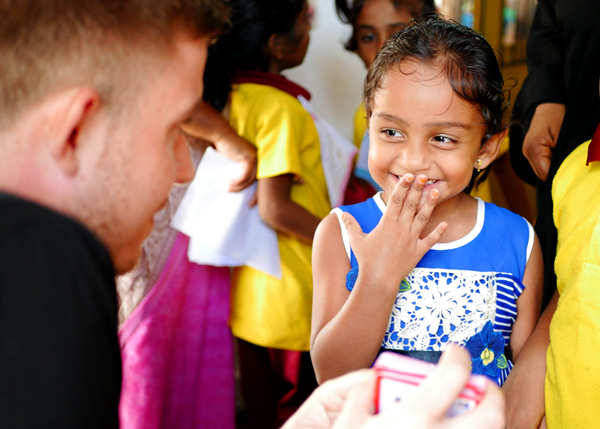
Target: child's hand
point(394, 247)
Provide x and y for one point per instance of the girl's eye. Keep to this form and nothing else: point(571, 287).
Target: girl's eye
point(443, 139)
point(392, 133)
point(367, 38)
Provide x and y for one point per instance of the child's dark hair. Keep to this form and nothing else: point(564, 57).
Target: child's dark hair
point(348, 11)
point(244, 46)
point(463, 55)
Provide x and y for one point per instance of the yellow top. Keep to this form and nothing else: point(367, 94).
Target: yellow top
point(265, 310)
point(360, 125)
point(573, 375)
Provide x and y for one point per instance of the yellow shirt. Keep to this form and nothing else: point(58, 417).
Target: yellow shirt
point(265, 310)
point(360, 125)
point(573, 358)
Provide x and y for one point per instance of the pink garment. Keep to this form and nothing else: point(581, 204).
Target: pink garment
point(177, 350)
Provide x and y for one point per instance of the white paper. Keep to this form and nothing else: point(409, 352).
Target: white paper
point(223, 229)
point(337, 156)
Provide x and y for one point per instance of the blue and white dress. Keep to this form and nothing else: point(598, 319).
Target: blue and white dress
point(463, 292)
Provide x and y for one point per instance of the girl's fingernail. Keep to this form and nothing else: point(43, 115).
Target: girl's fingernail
point(422, 179)
point(435, 193)
point(410, 178)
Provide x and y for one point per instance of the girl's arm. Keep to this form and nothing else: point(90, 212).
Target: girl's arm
point(277, 209)
point(530, 301)
point(348, 327)
point(208, 124)
point(524, 388)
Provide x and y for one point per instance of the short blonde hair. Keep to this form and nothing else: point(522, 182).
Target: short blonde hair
point(50, 45)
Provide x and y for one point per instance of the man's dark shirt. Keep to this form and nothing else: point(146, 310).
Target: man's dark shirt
point(60, 363)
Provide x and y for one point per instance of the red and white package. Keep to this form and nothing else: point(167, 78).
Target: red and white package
point(399, 376)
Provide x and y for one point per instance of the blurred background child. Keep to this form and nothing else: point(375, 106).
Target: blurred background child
point(271, 317)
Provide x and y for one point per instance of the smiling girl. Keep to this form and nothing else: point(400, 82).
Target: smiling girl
point(423, 263)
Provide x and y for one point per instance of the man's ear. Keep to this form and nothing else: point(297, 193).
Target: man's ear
point(70, 112)
point(490, 148)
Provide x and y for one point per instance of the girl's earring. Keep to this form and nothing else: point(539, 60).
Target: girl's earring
point(479, 162)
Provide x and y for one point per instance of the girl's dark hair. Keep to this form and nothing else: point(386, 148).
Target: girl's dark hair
point(244, 46)
point(463, 55)
point(348, 11)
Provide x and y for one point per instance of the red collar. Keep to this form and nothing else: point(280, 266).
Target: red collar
point(594, 147)
point(271, 79)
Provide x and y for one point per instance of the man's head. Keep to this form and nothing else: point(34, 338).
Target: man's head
point(91, 97)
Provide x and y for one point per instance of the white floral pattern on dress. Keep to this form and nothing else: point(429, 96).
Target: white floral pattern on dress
point(442, 305)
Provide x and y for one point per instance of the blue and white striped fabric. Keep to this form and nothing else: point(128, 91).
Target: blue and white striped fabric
point(458, 287)
point(509, 288)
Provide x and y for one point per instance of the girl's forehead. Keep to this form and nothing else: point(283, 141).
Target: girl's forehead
point(410, 81)
point(428, 74)
point(422, 92)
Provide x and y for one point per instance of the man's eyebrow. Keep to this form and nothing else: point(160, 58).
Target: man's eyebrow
point(444, 124)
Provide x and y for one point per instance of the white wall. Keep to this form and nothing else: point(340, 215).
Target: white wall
point(331, 74)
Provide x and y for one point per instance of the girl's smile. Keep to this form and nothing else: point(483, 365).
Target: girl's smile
point(428, 184)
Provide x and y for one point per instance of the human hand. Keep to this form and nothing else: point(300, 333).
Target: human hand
point(348, 401)
point(540, 140)
point(325, 405)
point(208, 124)
point(428, 407)
point(394, 247)
point(238, 149)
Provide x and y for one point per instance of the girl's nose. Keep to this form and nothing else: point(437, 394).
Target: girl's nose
point(415, 157)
